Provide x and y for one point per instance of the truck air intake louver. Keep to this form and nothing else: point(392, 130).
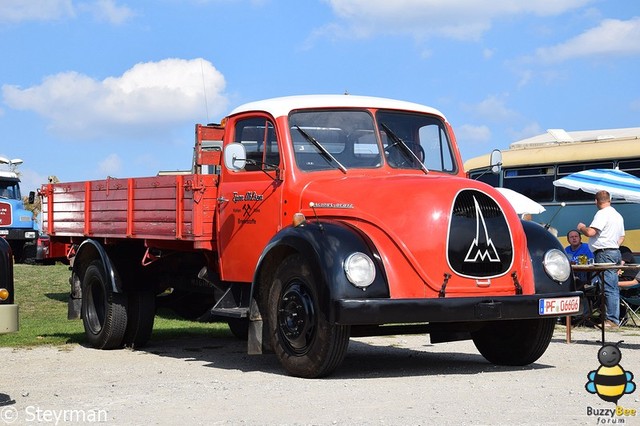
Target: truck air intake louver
point(479, 242)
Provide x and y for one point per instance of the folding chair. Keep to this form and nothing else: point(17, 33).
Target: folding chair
point(630, 302)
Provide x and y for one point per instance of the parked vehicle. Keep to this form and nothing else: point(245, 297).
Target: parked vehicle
point(8, 308)
point(17, 224)
point(531, 165)
point(309, 219)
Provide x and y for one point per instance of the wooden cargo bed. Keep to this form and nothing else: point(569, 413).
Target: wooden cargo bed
point(169, 207)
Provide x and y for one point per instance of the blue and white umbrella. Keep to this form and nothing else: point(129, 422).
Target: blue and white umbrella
point(618, 183)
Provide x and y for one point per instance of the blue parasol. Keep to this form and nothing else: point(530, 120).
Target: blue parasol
point(618, 183)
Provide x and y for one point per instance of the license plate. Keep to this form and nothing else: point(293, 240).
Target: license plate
point(561, 305)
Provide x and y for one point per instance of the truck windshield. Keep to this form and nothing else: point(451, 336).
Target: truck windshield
point(425, 135)
point(349, 136)
point(9, 190)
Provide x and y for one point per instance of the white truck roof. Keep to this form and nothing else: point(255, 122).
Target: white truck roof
point(6, 174)
point(279, 107)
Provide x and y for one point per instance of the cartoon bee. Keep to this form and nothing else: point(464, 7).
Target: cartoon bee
point(610, 381)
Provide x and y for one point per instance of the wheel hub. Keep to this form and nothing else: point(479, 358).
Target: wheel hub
point(296, 318)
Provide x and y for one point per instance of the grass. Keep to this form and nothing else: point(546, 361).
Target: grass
point(42, 293)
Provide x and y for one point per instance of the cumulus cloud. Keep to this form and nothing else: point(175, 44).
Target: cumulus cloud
point(149, 96)
point(110, 166)
point(107, 10)
point(15, 11)
point(468, 133)
point(529, 130)
point(492, 108)
point(458, 19)
point(613, 37)
point(21, 10)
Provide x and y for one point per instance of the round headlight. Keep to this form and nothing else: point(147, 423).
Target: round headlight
point(360, 270)
point(557, 265)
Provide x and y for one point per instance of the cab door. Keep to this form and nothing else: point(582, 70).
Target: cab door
point(249, 200)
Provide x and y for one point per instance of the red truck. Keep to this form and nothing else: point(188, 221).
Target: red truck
point(309, 219)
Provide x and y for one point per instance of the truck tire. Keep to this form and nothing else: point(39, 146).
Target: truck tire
point(514, 343)
point(239, 327)
point(104, 312)
point(141, 313)
point(304, 341)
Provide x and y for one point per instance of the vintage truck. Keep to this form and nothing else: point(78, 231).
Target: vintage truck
point(8, 307)
point(309, 219)
point(17, 224)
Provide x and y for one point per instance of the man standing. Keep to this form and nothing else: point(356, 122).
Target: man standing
point(606, 234)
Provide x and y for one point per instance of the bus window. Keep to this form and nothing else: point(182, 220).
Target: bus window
point(565, 194)
point(534, 182)
point(631, 166)
point(486, 176)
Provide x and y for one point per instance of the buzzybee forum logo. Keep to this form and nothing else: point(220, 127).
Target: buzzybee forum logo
point(610, 382)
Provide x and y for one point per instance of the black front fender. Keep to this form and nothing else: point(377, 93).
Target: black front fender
point(539, 241)
point(326, 245)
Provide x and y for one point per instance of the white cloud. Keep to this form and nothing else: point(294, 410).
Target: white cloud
point(22, 10)
point(107, 10)
point(493, 108)
point(28, 10)
point(458, 19)
point(30, 180)
point(612, 37)
point(149, 97)
point(110, 166)
point(468, 133)
point(528, 131)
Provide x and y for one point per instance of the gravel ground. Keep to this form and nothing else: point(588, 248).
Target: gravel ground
point(397, 380)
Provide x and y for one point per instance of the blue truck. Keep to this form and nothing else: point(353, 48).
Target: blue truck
point(17, 224)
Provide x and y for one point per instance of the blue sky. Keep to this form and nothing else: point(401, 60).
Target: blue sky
point(96, 88)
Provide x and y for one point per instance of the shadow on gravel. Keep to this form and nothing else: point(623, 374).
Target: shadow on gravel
point(596, 342)
point(363, 361)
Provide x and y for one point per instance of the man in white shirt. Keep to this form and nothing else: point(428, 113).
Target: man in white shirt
point(606, 234)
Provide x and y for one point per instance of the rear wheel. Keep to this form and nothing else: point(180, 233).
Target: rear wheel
point(104, 312)
point(304, 341)
point(141, 313)
point(239, 327)
point(517, 342)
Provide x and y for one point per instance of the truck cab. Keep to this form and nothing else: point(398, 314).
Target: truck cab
point(17, 224)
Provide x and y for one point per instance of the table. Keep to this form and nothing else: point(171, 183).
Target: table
point(593, 270)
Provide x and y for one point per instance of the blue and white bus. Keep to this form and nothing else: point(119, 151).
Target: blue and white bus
point(531, 165)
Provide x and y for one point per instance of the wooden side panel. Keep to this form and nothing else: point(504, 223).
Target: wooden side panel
point(180, 207)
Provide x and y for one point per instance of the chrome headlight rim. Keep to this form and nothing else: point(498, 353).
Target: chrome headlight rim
point(360, 270)
point(556, 265)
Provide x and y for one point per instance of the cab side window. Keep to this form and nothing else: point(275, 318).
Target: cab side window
point(258, 136)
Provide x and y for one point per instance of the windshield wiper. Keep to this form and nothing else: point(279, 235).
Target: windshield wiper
point(397, 141)
point(325, 154)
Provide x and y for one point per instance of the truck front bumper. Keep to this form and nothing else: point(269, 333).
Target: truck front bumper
point(8, 318)
point(456, 309)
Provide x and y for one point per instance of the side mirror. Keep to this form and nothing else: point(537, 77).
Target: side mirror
point(496, 161)
point(235, 157)
point(32, 197)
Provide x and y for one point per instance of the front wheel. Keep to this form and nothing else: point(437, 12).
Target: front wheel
point(304, 341)
point(514, 342)
point(104, 312)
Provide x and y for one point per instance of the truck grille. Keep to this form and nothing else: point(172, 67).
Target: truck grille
point(479, 244)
